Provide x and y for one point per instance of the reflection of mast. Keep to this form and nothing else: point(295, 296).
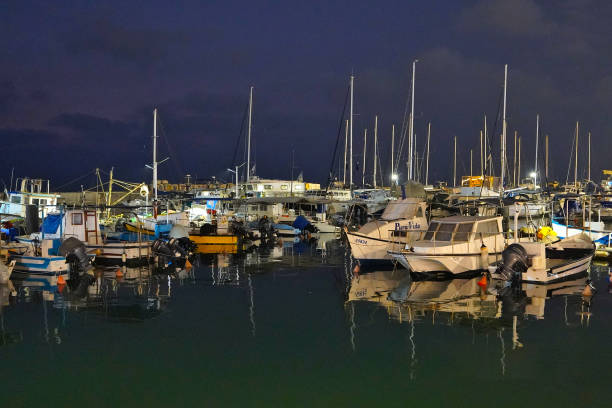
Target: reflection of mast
point(503, 351)
point(413, 345)
point(251, 305)
point(353, 326)
point(515, 338)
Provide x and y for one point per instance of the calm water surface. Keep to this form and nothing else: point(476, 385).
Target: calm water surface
point(293, 326)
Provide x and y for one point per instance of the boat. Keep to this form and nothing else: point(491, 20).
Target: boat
point(400, 224)
point(34, 192)
point(83, 224)
point(452, 246)
point(538, 262)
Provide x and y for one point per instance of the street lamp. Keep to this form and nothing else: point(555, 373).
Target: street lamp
point(394, 177)
point(236, 173)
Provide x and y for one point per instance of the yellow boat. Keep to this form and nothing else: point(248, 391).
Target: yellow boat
point(214, 244)
point(133, 228)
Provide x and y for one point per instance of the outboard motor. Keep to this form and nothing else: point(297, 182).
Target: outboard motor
point(514, 262)
point(76, 254)
point(266, 229)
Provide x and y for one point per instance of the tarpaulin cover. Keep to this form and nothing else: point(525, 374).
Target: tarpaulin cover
point(51, 223)
point(300, 222)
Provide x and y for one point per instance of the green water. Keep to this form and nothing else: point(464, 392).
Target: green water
point(293, 326)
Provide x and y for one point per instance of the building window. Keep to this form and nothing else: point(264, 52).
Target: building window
point(77, 218)
point(268, 186)
point(16, 199)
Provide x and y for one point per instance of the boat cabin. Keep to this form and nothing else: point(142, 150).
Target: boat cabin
point(463, 234)
point(79, 223)
point(30, 192)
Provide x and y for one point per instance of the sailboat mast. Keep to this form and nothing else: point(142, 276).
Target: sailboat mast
point(248, 169)
point(351, 136)
point(375, 143)
point(365, 143)
point(455, 164)
point(392, 151)
point(155, 152)
point(514, 159)
point(471, 151)
point(345, 151)
point(535, 178)
point(503, 144)
point(576, 159)
point(411, 127)
point(427, 159)
point(481, 157)
point(589, 168)
point(546, 157)
point(518, 170)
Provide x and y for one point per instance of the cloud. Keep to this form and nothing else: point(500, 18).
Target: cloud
point(516, 18)
point(144, 45)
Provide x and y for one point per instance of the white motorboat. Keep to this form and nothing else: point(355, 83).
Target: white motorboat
point(538, 262)
point(456, 245)
point(400, 224)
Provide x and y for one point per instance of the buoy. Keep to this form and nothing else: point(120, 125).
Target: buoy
point(187, 264)
point(119, 273)
point(482, 282)
point(588, 290)
point(61, 280)
point(98, 252)
point(356, 270)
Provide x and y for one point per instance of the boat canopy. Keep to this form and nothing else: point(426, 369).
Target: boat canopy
point(403, 209)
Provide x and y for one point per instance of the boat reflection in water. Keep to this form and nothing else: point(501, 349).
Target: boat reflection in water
point(462, 302)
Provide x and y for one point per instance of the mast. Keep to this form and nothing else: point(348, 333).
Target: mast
point(351, 136)
point(455, 165)
point(535, 178)
point(345, 151)
point(503, 144)
point(589, 167)
point(155, 152)
point(471, 151)
point(392, 151)
point(518, 170)
point(375, 143)
point(486, 155)
point(109, 197)
point(481, 157)
point(514, 167)
point(365, 144)
point(427, 159)
point(411, 127)
point(576, 160)
point(546, 157)
point(248, 169)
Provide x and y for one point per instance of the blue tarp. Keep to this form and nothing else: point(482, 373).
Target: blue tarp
point(51, 223)
point(300, 222)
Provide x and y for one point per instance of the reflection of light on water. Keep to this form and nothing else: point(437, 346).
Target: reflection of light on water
point(251, 305)
point(503, 351)
point(352, 326)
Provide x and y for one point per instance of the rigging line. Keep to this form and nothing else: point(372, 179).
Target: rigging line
point(403, 130)
point(340, 124)
point(488, 168)
point(75, 180)
point(180, 171)
point(240, 134)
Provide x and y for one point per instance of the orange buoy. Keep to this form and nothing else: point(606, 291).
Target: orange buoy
point(187, 264)
point(356, 270)
point(119, 273)
point(483, 282)
point(61, 280)
point(588, 291)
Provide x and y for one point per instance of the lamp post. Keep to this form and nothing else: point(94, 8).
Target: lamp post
point(236, 173)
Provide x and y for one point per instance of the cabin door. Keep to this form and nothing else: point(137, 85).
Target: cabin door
point(91, 227)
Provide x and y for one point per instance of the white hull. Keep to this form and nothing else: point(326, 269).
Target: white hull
point(371, 249)
point(119, 252)
point(528, 209)
point(447, 264)
point(563, 231)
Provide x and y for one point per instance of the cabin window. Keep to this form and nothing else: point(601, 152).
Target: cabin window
point(77, 218)
point(249, 187)
point(430, 231)
point(445, 232)
point(487, 228)
point(16, 199)
point(35, 201)
point(463, 232)
point(268, 186)
point(254, 207)
point(263, 207)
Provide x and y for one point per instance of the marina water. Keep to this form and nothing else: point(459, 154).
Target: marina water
point(281, 326)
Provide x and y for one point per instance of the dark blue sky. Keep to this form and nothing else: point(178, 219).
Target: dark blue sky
point(79, 81)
